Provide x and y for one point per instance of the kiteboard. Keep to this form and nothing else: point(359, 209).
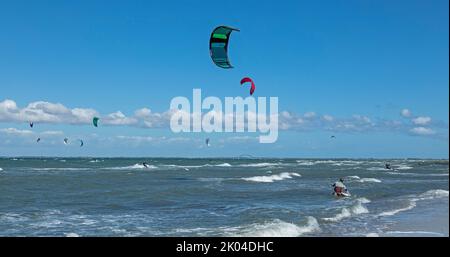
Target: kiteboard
point(344, 194)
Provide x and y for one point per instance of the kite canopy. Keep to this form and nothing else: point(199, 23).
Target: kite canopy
point(252, 88)
point(218, 46)
point(81, 142)
point(66, 140)
point(95, 121)
point(39, 139)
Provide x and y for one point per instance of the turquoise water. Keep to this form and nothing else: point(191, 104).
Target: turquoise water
point(221, 197)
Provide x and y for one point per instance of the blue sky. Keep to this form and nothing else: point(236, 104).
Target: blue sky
point(358, 62)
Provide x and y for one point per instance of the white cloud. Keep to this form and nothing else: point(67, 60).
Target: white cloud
point(56, 113)
point(327, 117)
point(422, 131)
point(18, 132)
point(142, 113)
point(118, 118)
point(361, 118)
point(309, 115)
point(421, 120)
point(52, 133)
point(406, 113)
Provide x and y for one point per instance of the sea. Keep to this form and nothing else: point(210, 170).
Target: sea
point(219, 197)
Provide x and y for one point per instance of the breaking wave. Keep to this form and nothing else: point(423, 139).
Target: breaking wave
point(136, 166)
point(277, 228)
point(428, 195)
point(356, 209)
point(261, 164)
point(272, 178)
point(362, 180)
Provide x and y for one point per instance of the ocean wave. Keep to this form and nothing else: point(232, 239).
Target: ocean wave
point(58, 169)
point(372, 235)
point(356, 209)
point(277, 228)
point(260, 164)
point(196, 166)
point(376, 168)
point(182, 166)
point(211, 179)
point(325, 161)
point(1, 169)
point(410, 206)
point(272, 178)
point(71, 235)
point(415, 232)
point(136, 166)
point(432, 194)
point(419, 174)
point(94, 161)
point(370, 180)
point(363, 180)
point(305, 163)
point(223, 165)
point(428, 195)
point(402, 167)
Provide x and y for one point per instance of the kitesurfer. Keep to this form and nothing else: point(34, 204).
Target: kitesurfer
point(145, 164)
point(387, 166)
point(339, 188)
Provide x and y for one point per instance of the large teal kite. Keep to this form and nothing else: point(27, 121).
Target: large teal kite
point(218, 46)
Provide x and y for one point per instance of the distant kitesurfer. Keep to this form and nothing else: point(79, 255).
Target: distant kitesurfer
point(387, 166)
point(339, 188)
point(145, 164)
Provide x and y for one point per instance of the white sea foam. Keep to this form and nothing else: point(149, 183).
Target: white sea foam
point(305, 163)
point(94, 161)
point(71, 235)
point(272, 178)
point(223, 165)
point(410, 206)
point(136, 166)
point(211, 179)
point(183, 166)
point(261, 164)
point(363, 180)
point(356, 209)
point(419, 174)
point(369, 180)
point(1, 169)
point(403, 167)
point(277, 228)
point(415, 232)
point(325, 161)
point(428, 195)
point(432, 194)
point(58, 169)
point(375, 168)
point(372, 235)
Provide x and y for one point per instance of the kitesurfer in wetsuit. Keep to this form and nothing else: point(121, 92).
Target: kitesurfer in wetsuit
point(387, 166)
point(145, 164)
point(339, 187)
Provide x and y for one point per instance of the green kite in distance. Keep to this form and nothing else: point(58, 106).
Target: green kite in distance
point(95, 121)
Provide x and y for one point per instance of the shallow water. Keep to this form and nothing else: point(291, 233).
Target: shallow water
point(221, 197)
